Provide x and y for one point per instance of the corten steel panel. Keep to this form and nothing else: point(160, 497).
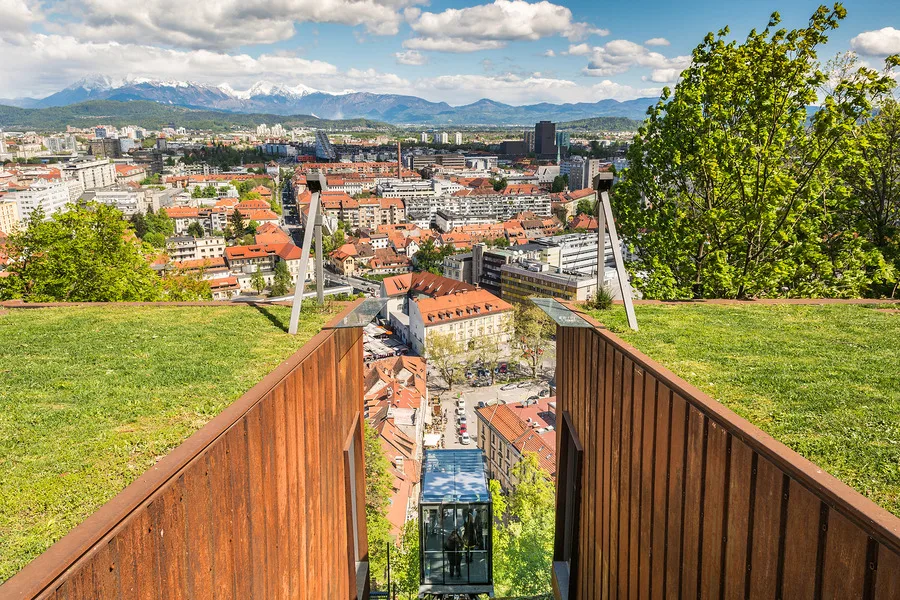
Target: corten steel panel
point(251, 506)
point(683, 498)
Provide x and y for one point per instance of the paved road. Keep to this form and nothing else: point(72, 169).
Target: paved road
point(472, 396)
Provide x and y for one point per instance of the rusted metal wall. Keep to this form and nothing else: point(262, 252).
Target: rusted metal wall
point(254, 505)
point(681, 498)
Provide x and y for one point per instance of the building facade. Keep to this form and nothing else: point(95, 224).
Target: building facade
point(92, 174)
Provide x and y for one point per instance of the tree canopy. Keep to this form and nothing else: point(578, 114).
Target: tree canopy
point(732, 188)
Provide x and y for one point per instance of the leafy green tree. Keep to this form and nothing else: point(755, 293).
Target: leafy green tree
point(85, 254)
point(281, 285)
point(195, 229)
point(533, 333)
point(378, 497)
point(523, 531)
point(431, 258)
point(445, 354)
point(586, 207)
point(159, 222)
point(491, 352)
point(139, 224)
point(499, 183)
point(873, 178)
point(730, 190)
point(405, 561)
point(154, 179)
point(560, 183)
point(258, 281)
point(236, 223)
point(155, 239)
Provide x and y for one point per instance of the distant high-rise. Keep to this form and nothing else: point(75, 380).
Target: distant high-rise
point(445, 137)
point(457, 138)
point(563, 139)
point(3, 141)
point(324, 149)
point(529, 140)
point(424, 137)
point(545, 139)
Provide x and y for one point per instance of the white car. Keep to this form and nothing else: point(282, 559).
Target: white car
point(465, 439)
point(460, 411)
point(460, 403)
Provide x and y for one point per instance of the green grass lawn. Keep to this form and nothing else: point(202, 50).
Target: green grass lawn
point(824, 380)
point(92, 397)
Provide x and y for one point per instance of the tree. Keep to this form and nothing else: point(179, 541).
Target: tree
point(533, 332)
point(378, 496)
point(586, 207)
point(730, 190)
point(85, 254)
point(490, 351)
point(159, 222)
point(281, 285)
point(405, 563)
point(155, 239)
point(195, 229)
point(560, 183)
point(139, 224)
point(236, 223)
point(431, 258)
point(444, 353)
point(873, 178)
point(499, 183)
point(524, 524)
point(258, 281)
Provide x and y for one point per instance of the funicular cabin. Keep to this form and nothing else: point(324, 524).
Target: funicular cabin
point(455, 524)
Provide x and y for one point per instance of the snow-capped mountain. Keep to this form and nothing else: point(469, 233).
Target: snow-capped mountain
point(274, 98)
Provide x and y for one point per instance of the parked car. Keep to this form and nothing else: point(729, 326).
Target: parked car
point(481, 404)
point(465, 439)
point(502, 368)
point(460, 403)
point(544, 393)
point(462, 420)
point(462, 428)
point(460, 411)
point(509, 386)
point(524, 384)
point(533, 399)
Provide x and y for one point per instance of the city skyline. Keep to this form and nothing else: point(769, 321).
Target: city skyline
point(510, 51)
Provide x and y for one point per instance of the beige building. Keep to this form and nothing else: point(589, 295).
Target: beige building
point(506, 432)
point(9, 216)
point(92, 174)
point(466, 315)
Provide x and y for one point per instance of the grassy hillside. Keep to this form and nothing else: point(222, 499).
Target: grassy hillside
point(822, 379)
point(153, 115)
point(91, 397)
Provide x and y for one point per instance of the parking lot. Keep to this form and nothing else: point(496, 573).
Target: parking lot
point(471, 396)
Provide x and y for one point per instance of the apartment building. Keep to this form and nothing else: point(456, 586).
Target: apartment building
point(451, 161)
point(575, 252)
point(9, 216)
point(498, 207)
point(91, 173)
point(530, 279)
point(466, 315)
point(183, 248)
point(245, 260)
point(126, 199)
point(364, 212)
point(51, 196)
point(505, 432)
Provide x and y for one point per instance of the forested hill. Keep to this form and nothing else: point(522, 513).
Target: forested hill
point(600, 124)
point(153, 115)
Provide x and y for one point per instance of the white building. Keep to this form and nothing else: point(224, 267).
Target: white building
point(52, 196)
point(127, 200)
point(93, 174)
point(466, 315)
point(182, 248)
point(581, 171)
point(457, 138)
point(445, 137)
point(424, 137)
point(499, 207)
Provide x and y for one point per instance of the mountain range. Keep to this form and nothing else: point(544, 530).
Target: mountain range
point(270, 98)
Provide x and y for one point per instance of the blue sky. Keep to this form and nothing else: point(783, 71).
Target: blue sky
point(458, 51)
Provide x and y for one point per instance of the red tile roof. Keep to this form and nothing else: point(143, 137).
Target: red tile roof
point(459, 306)
point(425, 283)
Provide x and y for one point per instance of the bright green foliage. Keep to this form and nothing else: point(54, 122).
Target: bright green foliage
point(447, 356)
point(378, 495)
point(258, 281)
point(431, 258)
point(405, 561)
point(85, 254)
point(209, 191)
point(586, 207)
point(154, 179)
point(523, 531)
point(731, 188)
point(195, 229)
point(153, 227)
point(92, 397)
point(533, 332)
point(821, 379)
point(281, 285)
point(499, 183)
point(873, 178)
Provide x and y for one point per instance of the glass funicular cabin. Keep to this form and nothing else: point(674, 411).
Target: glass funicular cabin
point(455, 525)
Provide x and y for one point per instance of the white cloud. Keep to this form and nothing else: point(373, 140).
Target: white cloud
point(225, 24)
point(619, 56)
point(880, 42)
point(663, 75)
point(514, 89)
point(657, 41)
point(550, 53)
point(410, 57)
point(578, 50)
point(16, 18)
point(451, 44)
point(489, 26)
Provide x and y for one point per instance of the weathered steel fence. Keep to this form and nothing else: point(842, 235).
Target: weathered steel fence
point(681, 498)
point(262, 502)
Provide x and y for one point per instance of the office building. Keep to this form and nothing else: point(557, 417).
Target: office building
point(563, 139)
point(449, 161)
point(531, 279)
point(545, 139)
point(105, 147)
point(529, 140)
point(581, 171)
